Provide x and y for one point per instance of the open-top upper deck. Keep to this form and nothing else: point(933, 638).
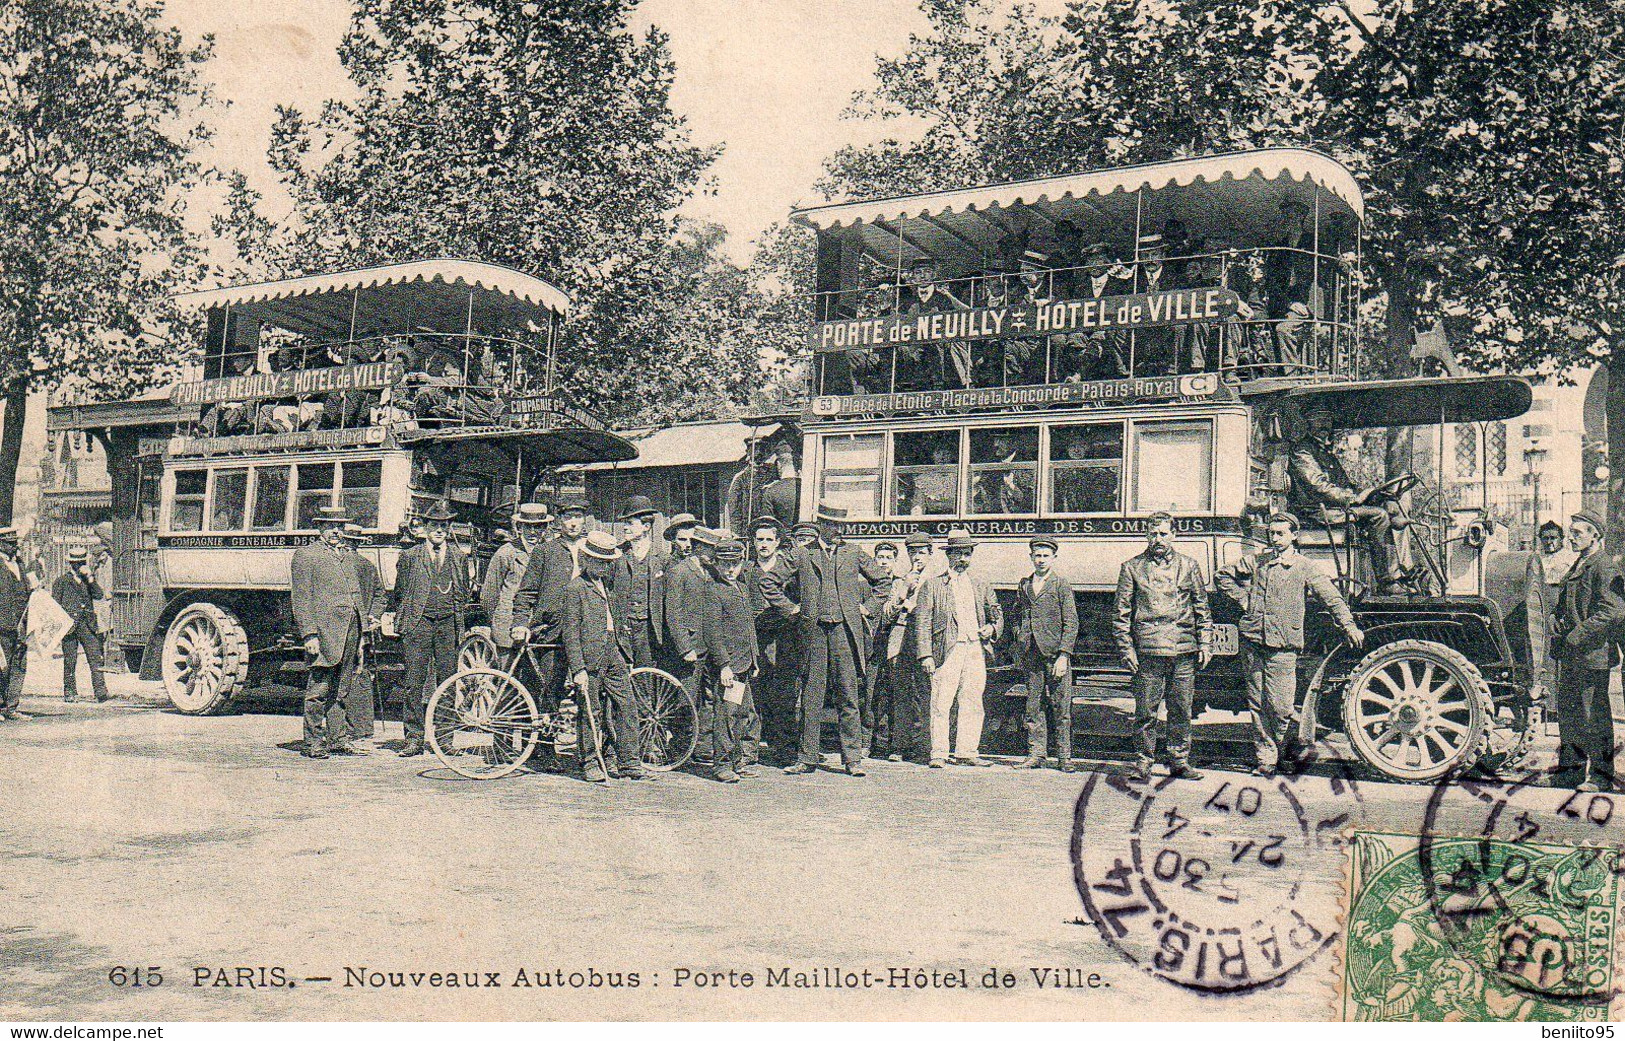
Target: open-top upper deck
point(1244, 264)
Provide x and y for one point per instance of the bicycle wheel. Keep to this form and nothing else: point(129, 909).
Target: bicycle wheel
point(482, 724)
point(668, 723)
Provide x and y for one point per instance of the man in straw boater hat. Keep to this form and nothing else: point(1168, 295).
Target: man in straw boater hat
point(328, 610)
point(13, 617)
point(77, 592)
point(538, 606)
point(840, 588)
point(430, 594)
point(1590, 614)
point(507, 569)
point(597, 634)
point(359, 699)
point(958, 620)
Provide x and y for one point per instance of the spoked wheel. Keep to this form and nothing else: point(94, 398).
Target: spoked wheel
point(668, 723)
point(1417, 711)
point(477, 651)
point(205, 659)
point(482, 724)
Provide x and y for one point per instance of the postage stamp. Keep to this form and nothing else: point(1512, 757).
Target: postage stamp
point(1477, 928)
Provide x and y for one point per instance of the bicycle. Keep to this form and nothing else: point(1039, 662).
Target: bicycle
point(482, 722)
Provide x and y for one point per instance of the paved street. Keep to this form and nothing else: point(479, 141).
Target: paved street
point(134, 836)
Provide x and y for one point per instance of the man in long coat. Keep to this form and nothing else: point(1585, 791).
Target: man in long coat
point(507, 570)
point(328, 611)
point(841, 588)
point(598, 655)
point(431, 592)
point(1590, 613)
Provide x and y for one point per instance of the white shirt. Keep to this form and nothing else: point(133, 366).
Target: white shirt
point(1556, 565)
point(964, 591)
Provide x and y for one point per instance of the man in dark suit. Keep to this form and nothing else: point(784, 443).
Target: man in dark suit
point(640, 573)
point(840, 589)
point(76, 592)
point(598, 655)
point(538, 606)
point(431, 592)
point(358, 700)
point(778, 658)
point(1044, 639)
point(729, 604)
point(328, 611)
point(1590, 612)
point(13, 617)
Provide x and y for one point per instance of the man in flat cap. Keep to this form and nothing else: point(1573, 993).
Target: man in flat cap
point(431, 592)
point(1045, 636)
point(730, 603)
point(328, 611)
point(506, 571)
point(598, 656)
point(1320, 479)
point(840, 588)
point(1590, 621)
point(77, 593)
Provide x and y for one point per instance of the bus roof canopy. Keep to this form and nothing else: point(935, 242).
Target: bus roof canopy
point(417, 296)
point(1237, 196)
point(1411, 402)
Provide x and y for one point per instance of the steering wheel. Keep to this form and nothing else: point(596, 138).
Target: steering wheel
point(1392, 488)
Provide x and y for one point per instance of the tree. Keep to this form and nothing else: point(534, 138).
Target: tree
point(532, 133)
point(98, 129)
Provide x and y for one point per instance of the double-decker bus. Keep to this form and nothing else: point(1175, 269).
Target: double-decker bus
point(1071, 355)
point(378, 390)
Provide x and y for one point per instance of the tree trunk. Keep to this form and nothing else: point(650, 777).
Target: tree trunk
point(1399, 334)
point(13, 414)
point(1615, 413)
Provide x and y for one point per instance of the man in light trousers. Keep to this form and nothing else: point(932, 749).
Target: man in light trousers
point(959, 618)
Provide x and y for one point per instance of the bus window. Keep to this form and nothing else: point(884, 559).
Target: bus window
point(230, 501)
point(1086, 468)
point(926, 468)
point(1173, 466)
point(186, 508)
point(1004, 470)
point(851, 473)
point(271, 498)
point(315, 491)
point(360, 495)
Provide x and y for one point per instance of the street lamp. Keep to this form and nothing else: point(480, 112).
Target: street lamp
point(1534, 459)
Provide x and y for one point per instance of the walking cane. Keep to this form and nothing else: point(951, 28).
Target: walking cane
point(597, 735)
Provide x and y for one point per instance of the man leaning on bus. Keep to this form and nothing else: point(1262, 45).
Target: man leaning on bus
point(1273, 589)
point(1164, 632)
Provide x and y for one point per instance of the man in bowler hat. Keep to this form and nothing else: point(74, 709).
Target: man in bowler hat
point(329, 611)
point(431, 592)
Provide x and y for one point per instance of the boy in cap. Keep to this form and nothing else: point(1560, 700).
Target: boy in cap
point(1590, 612)
point(77, 593)
point(1044, 640)
point(598, 658)
point(729, 606)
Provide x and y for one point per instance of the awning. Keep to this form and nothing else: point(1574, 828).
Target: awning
point(1414, 402)
point(690, 444)
point(1237, 197)
point(563, 446)
point(431, 295)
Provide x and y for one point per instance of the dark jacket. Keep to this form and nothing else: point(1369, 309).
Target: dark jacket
point(773, 622)
point(416, 579)
point(660, 564)
point(936, 629)
point(684, 590)
point(539, 603)
point(325, 591)
point(372, 587)
point(1049, 621)
point(584, 624)
point(78, 599)
point(13, 599)
point(858, 583)
point(728, 622)
point(1273, 592)
point(1591, 612)
point(1162, 607)
point(1318, 478)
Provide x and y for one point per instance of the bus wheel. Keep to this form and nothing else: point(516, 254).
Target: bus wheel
point(1417, 711)
point(205, 659)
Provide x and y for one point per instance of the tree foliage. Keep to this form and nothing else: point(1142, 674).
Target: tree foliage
point(99, 102)
point(536, 134)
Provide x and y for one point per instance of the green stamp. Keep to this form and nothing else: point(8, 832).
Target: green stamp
point(1462, 929)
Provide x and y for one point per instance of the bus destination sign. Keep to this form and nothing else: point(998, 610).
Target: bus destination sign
point(1054, 318)
point(295, 384)
point(297, 440)
point(1193, 387)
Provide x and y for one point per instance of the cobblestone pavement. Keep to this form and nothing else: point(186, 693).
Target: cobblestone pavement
point(134, 836)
